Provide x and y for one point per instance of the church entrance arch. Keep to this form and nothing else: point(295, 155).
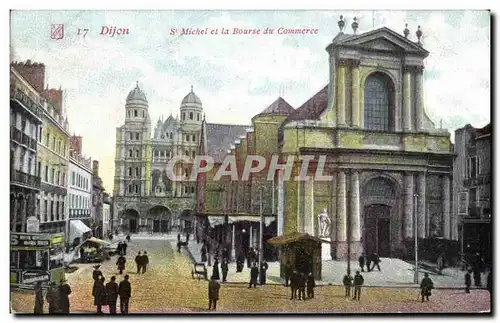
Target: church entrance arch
point(131, 218)
point(160, 216)
point(379, 195)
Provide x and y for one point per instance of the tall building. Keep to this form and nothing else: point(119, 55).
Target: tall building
point(107, 220)
point(25, 123)
point(98, 194)
point(384, 157)
point(79, 193)
point(52, 151)
point(472, 180)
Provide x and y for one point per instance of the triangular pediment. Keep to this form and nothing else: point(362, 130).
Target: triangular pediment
point(384, 39)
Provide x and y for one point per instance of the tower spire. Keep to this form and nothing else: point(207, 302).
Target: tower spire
point(191, 89)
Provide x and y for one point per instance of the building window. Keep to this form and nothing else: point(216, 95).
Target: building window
point(186, 153)
point(143, 114)
point(193, 155)
point(197, 117)
point(187, 137)
point(45, 210)
point(53, 143)
point(185, 189)
point(135, 113)
point(51, 210)
point(137, 172)
point(57, 210)
point(39, 170)
point(183, 115)
point(52, 175)
point(137, 153)
point(378, 102)
point(194, 138)
point(192, 189)
point(130, 171)
point(136, 189)
point(72, 178)
point(136, 136)
point(63, 179)
point(47, 139)
point(131, 135)
point(40, 132)
point(128, 113)
point(130, 188)
point(59, 178)
point(471, 167)
point(130, 153)
point(191, 116)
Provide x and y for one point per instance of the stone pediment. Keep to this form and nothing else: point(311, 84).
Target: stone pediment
point(384, 39)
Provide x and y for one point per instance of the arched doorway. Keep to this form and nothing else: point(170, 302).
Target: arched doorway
point(160, 217)
point(380, 201)
point(131, 218)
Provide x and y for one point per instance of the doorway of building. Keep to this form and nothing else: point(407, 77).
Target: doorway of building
point(133, 225)
point(160, 226)
point(377, 230)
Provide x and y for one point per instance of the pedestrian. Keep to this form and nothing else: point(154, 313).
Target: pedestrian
point(302, 286)
point(213, 293)
point(128, 238)
point(124, 248)
point(145, 262)
point(120, 263)
point(215, 269)
point(425, 287)
point(178, 237)
point(240, 263)
point(99, 293)
point(38, 299)
point(225, 268)
point(52, 298)
point(376, 261)
point(358, 282)
point(82, 255)
point(368, 262)
point(64, 292)
point(347, 281)
point(203, 252)
point(310, 286)
point(468, 281)
point(119, 248)
point(288, 273)
point(361, 261)
point(96, 273)
point(125, 292)
point(294, 284)
point(254, 275)
point(263, 272)
point(112, 294)
point(138, 262)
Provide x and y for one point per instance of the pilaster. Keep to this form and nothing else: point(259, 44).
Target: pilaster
point(407, 120)
point(341, 93)
point(408, 206)
point(421, 216)
point(355, 95)
point(446, 207)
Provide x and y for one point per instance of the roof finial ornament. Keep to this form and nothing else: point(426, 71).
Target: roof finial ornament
point(355, 25)
point(419, 35)
point(203, 116)
point(137, 84)
point(191, 89)
point(341, 23)
point(406, 32)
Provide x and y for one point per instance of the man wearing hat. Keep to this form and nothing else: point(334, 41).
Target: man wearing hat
point(64, 292)
point(96, 273)
point(426, 286)
point(358, 282)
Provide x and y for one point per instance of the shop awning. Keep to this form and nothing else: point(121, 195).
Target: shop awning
point(98, 241)
point(219, 220)
point(77, 229)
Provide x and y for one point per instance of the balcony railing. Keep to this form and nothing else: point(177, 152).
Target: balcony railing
point(22, 138)
point(18, 177)
point(26, 101)
point(79, 213)
point(481, 179)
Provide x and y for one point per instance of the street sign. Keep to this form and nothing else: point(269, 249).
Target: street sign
point(19, 240)
point(31, 277)
point(32, 224)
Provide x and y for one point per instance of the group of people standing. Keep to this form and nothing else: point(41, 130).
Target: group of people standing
point(142, 262)
point(299, 283)
point(368, 261)
point(357, 281)
point(57, 297)
point(107, 294)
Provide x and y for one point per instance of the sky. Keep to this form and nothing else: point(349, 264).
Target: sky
point(235, 76)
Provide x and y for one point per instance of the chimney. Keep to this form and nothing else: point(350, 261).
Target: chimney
point(54, 97)
point(76, 144)
point(95, 168)
point(34, 74)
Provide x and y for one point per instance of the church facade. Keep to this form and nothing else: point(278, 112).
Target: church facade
point(145, 199)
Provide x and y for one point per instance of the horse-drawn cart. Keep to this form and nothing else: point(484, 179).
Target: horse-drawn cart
point(199, 270)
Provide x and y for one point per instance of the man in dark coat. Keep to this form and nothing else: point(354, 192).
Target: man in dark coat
point(52, 298)
point(145, 262)
point(425, 287)
point(310, 286)
point(128, 238)
point(96, 273)
point(225, 268)
point(240, 263)
point(119, 248)
point(361, 261)
point(112, 294)
point(294, 284)
point(215, 270)
point(120, 263)
point(203, 252)
point(254, 275)
point(468, 281)
point(82, 255)
point(358, 282)
point(301, 284)
point(213, 293)
point(376, 261)
point(125, 292)
point(138, 262)
point(38, 299)
point(64, 292)
point(124, 248)
point(263, 272)
point(347, 281)
point(99, 293)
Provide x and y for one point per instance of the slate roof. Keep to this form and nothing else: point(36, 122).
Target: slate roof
point(280, 106)
point(312, 108)
point(220, 137)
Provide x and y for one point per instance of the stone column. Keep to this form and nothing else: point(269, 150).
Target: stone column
point(446, 207)
point(408, 206)
point(356, 121)
point(355, 216)
point(341, 93)
point(233, 246)
point(251, 236)
point(421, 206)
point(24, 207)
point(419, 97)
point(407, 122)
point(341, 215)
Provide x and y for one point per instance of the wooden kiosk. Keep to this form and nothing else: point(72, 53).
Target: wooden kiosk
point(300, 250)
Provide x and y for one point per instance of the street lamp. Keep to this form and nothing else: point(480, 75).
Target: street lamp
point(415, 230)
point(348, 215)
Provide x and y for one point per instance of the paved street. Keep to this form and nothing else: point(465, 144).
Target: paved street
point(168, 287)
